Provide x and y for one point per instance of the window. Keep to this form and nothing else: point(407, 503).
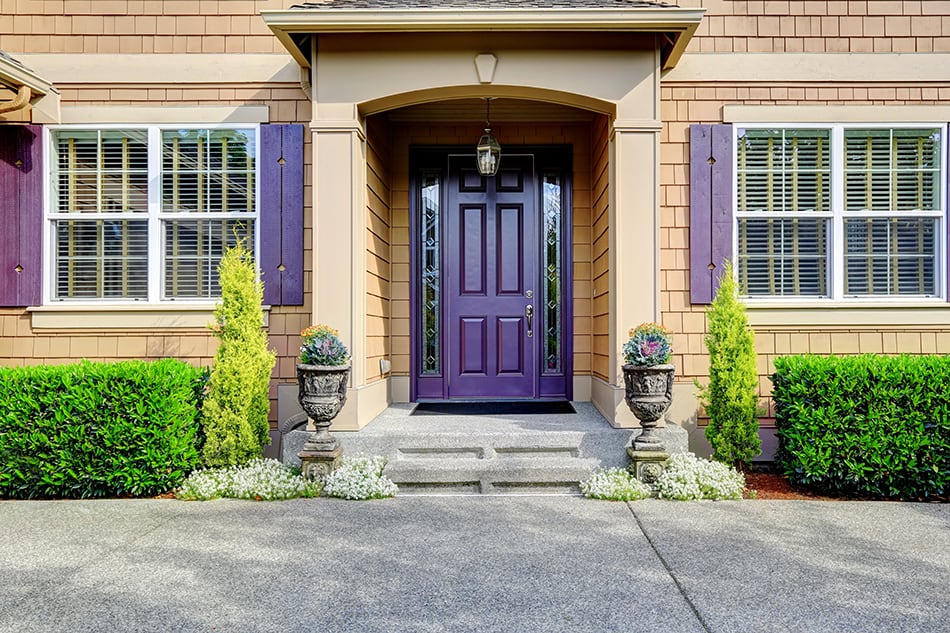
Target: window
point(840, 212)
point(145, 213)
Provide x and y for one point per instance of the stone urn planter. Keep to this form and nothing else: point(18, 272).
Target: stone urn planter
point(322, 393)
point(322, 376)
point(648, 391)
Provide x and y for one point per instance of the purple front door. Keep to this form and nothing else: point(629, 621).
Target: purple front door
point(491, 270)
point(491, 275)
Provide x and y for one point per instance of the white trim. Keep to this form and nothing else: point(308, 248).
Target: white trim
point(878, 315)
point(155, 217)
point(185, 116)
point(820, 115)
point(836, 269)
point(774, 68)
point(838, 214)
point(116, 317)
point(154, 209)
point(164, 68)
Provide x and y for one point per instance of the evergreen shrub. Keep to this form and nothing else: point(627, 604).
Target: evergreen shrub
point(98, 429)
point(870, 426)
point(235, 412)
point(731, 398)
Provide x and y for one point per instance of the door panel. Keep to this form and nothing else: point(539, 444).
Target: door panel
point(510, 251)
point(489, 278)
point(473, 246)
point(472, 346)
point(511, 334)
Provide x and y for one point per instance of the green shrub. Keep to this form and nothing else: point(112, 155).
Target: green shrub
point(731, 398)
point(234, 415)
point(864, 425)
point(96, 429)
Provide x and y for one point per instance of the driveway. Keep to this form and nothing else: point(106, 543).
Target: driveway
point(474, 563)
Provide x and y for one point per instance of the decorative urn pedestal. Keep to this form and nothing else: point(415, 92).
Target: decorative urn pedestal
point(648, 393)
point(322, 394)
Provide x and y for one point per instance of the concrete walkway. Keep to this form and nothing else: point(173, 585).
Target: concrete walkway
point(474, 563)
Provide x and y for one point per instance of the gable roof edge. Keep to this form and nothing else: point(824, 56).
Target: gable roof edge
point(676, 23)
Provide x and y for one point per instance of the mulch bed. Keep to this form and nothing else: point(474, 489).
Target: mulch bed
point(774, 486)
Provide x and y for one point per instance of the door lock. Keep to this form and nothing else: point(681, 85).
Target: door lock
point(529, 314)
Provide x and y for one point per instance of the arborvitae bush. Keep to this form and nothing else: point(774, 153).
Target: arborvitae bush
point(235, 411)
point(731, 398)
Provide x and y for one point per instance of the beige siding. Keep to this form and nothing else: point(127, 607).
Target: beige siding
point(379, 251)
point(234, 26)
point(137, 26)
point(598, 307)
point(822, 26)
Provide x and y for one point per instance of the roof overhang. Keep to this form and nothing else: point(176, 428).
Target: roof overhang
point(674, 25)
point(37, 93)
point(14, 75)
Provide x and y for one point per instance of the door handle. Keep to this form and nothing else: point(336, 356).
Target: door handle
point(529, 315)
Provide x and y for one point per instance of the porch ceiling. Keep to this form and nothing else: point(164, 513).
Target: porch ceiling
point(674, 25)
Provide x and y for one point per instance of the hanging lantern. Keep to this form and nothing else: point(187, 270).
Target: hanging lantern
point(488, 151)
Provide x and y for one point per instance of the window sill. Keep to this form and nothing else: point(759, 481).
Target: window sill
point(125, 317)
point(837, 315)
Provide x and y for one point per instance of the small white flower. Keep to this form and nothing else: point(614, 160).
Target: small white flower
point(359, 477)
point(260, 479)
point(690, 478)
point(614, 484)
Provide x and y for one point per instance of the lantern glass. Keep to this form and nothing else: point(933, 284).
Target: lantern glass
point(488, 154)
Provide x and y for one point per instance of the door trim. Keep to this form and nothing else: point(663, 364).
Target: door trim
point(434, 158)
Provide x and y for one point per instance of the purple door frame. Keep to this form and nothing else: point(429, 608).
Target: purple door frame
point(534, 381)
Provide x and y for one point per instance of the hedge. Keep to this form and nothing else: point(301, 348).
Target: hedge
point(98, 429)
point(868, 426)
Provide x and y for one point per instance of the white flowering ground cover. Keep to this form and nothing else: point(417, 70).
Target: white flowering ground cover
point(259, 479)
point(691, 478)
point(686, 478)
point(359, 477)
point(615, 484)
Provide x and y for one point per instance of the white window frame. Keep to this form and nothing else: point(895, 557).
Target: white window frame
point(836, 243)
point(155, 216)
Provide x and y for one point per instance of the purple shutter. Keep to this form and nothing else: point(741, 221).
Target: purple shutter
point(21, 215)
point(281, 225)
point(710, 208)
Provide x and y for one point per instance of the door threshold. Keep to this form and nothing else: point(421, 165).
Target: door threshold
point(494, 407)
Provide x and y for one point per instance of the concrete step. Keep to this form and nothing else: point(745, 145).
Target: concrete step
point(488, 454)
point(494, 473)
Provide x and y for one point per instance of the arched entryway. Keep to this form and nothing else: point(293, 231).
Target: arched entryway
point(499, 305)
